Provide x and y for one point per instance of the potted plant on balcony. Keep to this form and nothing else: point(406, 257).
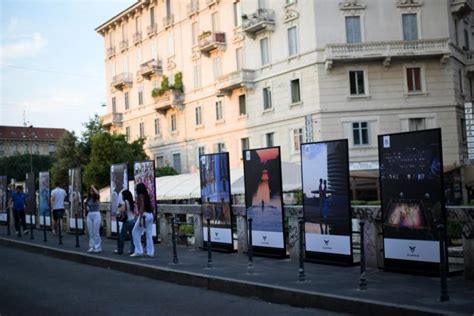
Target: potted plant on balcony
point(204, 34)
point(178, 82)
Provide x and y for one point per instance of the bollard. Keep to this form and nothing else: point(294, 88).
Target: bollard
point(442, 265)
point(301, 275)
point(76, 231)
point(144, 229)
point(31, 226)
point(8, 222)
point(362, 279)
point(44, 227)
point(59, 229)
point(209, 245)
point(250, 248)
point(118, 233)
point(173, 240)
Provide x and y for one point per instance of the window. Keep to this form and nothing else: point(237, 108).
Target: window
point(170, 44)
point(168, 8)
point(197, 76)
point(127, 105)
point(51, 148)
point(244, 143)
point(262, 4)
point(160, 161)
point(142, 130)
point(217, 67)
point(461, 81)
point(198, 116)
point(297, 139)
point(154, 52)
point(466, 40)
point(463, 130)
point(353, 30)
point(36, 149)
point(287, 2)
point(414, 79)
point(152, 16)
point(114, 105)
point(410, 27)
point(239, 58)
point(357, 84)
point(416, 124)
point(201, 150)
point(194, 33)
point(124, 33)
point(138, 26)
point(220, 147)
point(264, 51)
point(15, 149)
point(292, 41)
point(127, 133)
point(173, 122)
point(138, 56)
point(267, 98)
point(242, 105)
point(360, 133)
point(157, 126)
point(295, 91)
point(215, 22)
point(26, 148)
point(140, 96)
point(177, 162)
point(1, 149)
point(219, 112)
point(237, 13)
point(269, 139)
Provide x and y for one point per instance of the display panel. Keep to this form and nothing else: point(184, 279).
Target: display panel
point(3, 199)
point(216, 199)
point(30, 198)
point(75, 199)
point(118, 182)
point(264, 200)
point(326, 202)
point(411, 184)
point(144, 172)
point(44, 199)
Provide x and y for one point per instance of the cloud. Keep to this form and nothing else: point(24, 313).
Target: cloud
point(22, 47)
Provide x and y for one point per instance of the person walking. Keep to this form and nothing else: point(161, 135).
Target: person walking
point(18, 200)
point(93, 220)
point(126, 209)
point(144, 223)
point(58, 195)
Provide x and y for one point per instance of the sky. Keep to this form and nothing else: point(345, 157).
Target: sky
point(52, 70)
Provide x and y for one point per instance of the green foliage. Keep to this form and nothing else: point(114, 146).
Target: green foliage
point(299, 197)
point(471, 202)
point(204, 34)
point(68, 155)
point(155, 93)
point(178, 82)
point(16, 167)
point(165, 86)
point(165, 171)
point(374, 203)
point(93, 126)
point(454, 230)
point(187, 229)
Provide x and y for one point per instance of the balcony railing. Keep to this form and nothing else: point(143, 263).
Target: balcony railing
point(123, 45)
point(209, 41)
point(151, 29)
point(137, 37)
point(112, 118)
point(110, 52)
point(192, 7)
point(150, 68)
point(385, 50)
point(261, 20)
point(170, 100)
point(168, 21)
point(122, 80)
point(235, 80)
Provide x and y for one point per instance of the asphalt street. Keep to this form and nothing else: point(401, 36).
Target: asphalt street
point(33, 284)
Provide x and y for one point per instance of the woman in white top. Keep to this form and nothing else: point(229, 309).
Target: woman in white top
point(126, 208)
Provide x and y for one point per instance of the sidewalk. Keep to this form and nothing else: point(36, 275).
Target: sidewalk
point(274, 280)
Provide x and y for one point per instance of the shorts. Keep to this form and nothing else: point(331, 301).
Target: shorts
point(58, 213)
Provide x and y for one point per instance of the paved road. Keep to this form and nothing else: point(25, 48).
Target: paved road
point(32, 284)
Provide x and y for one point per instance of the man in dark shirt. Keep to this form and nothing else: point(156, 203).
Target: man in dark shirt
point(18, 200)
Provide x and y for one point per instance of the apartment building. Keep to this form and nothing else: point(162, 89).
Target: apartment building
point(19, 140)
point(202, 76)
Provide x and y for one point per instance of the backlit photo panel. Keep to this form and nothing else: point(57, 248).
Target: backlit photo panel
point(75, 199)
point(411, 183)
point(264, 200)
point(30, 198)
point(216, 199)
point(144, 172)
point(3, 199)
point(118, 182)
point(44, 199)
point(326, 202)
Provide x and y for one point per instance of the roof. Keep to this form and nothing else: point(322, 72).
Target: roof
point(36, 133)
point(123, 14)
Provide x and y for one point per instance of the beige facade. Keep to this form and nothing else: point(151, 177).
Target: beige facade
point(306, 71)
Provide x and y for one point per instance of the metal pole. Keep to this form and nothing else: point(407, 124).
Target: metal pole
point(249, 247)
point(117, 226)
point(31, 226)
point(209, 244)
point(301, 275)
point(442, 265)
point(8, 221)
point(60, 218)
point(44, 227)
point(76, 231)
point(173, 240)
point(362, 279)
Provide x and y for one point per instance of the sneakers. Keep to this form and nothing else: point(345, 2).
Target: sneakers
point(18, 234)
point(150, 256)
point(118, 252)
point(54, 232)
point(90, 250)
point(98, 250)
point(134, 255)
point(25, 232)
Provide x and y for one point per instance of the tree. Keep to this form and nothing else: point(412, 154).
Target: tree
point(93, 127)
point(16, 167)
point(68, 155)
point(165, 171)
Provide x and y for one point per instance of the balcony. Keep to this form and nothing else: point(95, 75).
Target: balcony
point(461, 8)
point(192, 7)
point(150, 68)
point(208, 41)
point(385, 50)
point(112, 119)
point(123, 45)
point(211, 2)
point(237, 79)
point(137, 37)
point(151, 29)
point(260, 21)
point(110, 52)
point(122, 80)
point(168, 21)
point(170, 100)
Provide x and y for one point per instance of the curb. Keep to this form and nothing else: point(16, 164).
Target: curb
point(269, 293)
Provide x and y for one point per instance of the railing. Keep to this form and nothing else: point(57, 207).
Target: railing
point(110, 51)
point(137, 37)
point(123, 45)
point(236, 79)
point(151, 29)
point(192, 7)
point(168, 20)
point(151, 67)
point(212, 2)
point(112, 119)
point(262, 19)
point(122, 79)
point(170, 99)
point(211, 40)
